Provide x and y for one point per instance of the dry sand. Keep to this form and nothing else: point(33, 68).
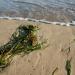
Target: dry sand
point(44, 61)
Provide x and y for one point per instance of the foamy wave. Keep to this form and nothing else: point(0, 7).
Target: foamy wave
point(12, 18)
point(42, 21)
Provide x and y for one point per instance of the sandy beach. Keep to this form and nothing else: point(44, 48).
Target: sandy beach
point(47, 61)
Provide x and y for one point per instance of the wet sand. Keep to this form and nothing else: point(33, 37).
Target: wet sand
point(48, 61)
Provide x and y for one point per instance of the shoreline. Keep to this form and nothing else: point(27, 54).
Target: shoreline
point(72, 23)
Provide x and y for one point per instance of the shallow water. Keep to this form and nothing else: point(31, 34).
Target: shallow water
point(54, 10)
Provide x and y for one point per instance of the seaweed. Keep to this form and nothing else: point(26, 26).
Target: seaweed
point(68, 67)
point(54, 70)
point(23, 40)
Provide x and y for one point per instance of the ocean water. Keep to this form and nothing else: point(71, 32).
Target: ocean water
point(53, 10)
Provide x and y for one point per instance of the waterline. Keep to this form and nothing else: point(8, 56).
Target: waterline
point(42, 21)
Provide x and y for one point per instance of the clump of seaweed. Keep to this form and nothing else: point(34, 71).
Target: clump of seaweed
point(68, 67)
point(23, 40)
